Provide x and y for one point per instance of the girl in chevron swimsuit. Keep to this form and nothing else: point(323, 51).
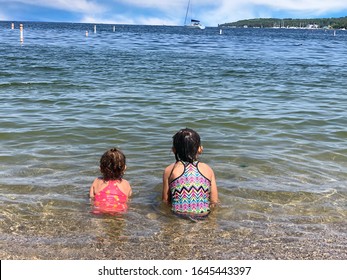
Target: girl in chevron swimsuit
point(110, 192)
point(189, 185)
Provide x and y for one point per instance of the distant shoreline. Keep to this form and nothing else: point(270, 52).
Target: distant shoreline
point(315, 23)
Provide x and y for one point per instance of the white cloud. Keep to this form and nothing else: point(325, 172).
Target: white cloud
point(120, 19)
point(212, 12)
point(227, 11)
point(155, 4)
point(67, 5)
point(298, 5)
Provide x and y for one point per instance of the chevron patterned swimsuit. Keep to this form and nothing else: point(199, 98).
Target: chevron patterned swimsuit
point(190, 192)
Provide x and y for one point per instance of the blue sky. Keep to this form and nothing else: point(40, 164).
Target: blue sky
point(165, 12)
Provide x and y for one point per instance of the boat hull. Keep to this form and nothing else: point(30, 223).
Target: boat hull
point(196, 26)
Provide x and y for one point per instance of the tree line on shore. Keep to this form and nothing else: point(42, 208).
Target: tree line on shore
point(333, 23)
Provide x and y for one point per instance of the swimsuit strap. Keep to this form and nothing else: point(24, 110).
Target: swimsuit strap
point(185, 164)
point(172, 169)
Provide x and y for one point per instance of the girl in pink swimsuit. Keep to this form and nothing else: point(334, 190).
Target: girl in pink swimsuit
point(110, 192)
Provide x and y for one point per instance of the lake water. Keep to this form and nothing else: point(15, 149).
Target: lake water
point(270, 107)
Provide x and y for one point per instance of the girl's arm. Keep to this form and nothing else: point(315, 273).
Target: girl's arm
point(92, 189)
point(91, 193)
point(214, 192)
point(207, 171)
point(126, 186)
point(166, 190)
point(130, 191)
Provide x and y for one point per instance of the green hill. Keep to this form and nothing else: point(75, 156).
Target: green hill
point(334, 23)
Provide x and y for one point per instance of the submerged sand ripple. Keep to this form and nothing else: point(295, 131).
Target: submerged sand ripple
point(200, 244)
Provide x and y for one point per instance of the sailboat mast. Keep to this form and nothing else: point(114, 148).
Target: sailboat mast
point(185, 20)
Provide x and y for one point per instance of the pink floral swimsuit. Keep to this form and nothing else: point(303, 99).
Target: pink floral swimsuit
point(110, 199)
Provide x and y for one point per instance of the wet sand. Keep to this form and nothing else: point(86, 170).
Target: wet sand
point(179, 241)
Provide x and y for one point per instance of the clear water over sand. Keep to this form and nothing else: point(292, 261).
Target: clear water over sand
point(270, 106)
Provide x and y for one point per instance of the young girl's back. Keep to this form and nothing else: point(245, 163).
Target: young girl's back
point(110, 196)
point(110, 192)
point(189, 185)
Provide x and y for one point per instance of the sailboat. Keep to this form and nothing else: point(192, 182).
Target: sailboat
point(194, 23)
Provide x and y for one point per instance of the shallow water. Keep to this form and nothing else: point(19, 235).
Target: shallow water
point(270, 108)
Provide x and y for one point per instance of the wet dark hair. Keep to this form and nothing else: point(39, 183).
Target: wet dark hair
point(112, 164)
point(186, 143)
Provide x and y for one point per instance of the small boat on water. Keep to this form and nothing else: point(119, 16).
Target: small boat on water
point(194, 23)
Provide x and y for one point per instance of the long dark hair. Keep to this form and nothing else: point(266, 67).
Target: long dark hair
point(186, 143)
point(112, 164)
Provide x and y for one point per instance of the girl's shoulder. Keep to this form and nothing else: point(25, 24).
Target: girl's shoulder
point(97, 181)
point(205, 169)
point(203, 165)
point(125, 187)
point(98, 185)
point(123, 182)
point(173, 171)
point(169, 167)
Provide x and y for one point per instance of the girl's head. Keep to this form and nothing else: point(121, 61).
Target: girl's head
point(112, 164)
point(186, 145)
